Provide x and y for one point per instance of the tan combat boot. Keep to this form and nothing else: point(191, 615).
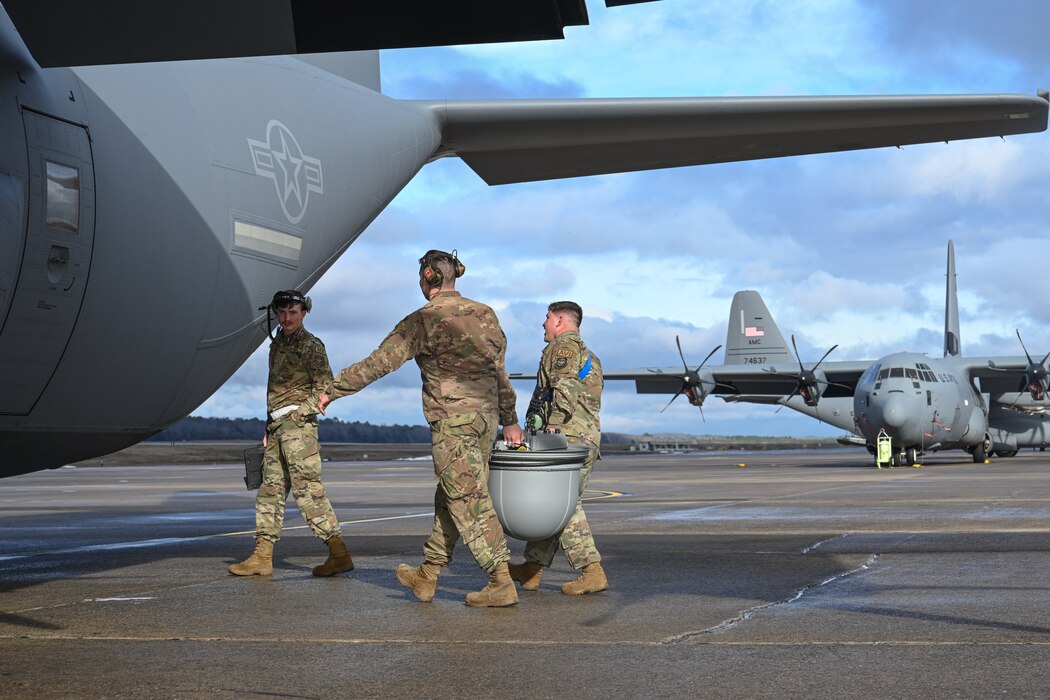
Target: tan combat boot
point(527, 574)
point(260, 562)
point(422, 581)
point(338, 559)
point(498, 594)
point(591, 580)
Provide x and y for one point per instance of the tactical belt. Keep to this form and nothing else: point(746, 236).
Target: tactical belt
point(284, 411)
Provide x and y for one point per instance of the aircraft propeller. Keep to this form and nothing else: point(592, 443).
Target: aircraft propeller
point(1036, 377)
point(692, 382)
point(807, 383)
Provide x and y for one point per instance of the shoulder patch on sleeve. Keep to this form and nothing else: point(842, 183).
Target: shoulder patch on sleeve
point(564, 352)
point(560, 363)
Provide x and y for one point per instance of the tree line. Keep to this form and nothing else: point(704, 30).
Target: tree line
point(196, 428)
point(200, 429)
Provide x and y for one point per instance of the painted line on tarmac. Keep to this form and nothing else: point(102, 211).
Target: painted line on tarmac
point(161, 541)
point(605, 494)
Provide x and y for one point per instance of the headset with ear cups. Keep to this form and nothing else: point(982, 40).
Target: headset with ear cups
point(281, 299)
point(291, 296)
point(433, 275)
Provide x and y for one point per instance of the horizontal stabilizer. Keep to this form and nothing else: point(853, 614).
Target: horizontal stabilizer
point(522, 375)
point(508, 141)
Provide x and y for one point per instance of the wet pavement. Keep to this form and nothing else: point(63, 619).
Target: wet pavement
point(801, 574)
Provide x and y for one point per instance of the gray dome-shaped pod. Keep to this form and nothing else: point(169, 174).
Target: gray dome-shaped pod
point(535, 492)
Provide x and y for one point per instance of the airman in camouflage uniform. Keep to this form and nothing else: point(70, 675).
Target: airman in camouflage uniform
point(459, 347)
point(568, 397)
point(299, 372)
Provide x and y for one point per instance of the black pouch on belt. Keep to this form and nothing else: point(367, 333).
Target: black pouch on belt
point(253, 461)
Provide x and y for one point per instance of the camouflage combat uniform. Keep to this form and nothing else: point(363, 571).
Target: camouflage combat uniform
point(299, 371)
point(571, 405)
point(459, 347)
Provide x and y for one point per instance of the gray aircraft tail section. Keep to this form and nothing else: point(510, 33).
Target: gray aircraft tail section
point(361, 67)
point(753, 337)
point(952, 341)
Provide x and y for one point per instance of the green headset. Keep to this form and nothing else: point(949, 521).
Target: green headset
point(433, 275)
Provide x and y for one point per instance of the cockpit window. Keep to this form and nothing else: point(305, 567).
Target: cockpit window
point(63, 197)
point(911, 373)
point(870, 374)
point(896, 371)
point(884, 374)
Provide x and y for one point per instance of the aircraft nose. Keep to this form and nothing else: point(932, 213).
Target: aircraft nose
point(895, 411)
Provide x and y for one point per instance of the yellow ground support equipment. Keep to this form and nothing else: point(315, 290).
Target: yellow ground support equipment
point(883, 450)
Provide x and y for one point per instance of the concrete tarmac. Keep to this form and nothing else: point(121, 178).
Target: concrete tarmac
point(799, 575)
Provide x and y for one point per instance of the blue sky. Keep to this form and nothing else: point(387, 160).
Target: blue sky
point(845, 248)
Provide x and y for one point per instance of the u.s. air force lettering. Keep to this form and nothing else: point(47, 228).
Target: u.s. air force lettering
point(295, 175)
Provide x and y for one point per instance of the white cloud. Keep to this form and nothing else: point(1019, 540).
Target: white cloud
point(981, 171)
point(846, 248)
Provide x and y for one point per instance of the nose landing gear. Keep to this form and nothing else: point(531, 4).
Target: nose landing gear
point(887, 456)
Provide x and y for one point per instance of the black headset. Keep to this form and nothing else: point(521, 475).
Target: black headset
point(287, 297)
point(433, 275)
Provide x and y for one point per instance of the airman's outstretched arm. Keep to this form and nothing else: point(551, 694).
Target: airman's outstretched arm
point(400, 346)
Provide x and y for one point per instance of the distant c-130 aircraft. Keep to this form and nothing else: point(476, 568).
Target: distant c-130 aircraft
point(165, 167)
point(920, 404)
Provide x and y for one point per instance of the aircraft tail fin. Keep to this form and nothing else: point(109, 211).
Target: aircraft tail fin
point(952, 341)
point(753, 337)
point(361, 67)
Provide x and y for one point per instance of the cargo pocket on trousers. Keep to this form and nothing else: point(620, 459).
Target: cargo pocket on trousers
point(454, 441)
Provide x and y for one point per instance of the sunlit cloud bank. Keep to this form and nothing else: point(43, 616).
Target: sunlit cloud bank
point(846, 248)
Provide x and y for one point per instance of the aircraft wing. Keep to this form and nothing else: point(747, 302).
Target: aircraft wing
point(997, 375)
point(508, 141)
point(766, 399)
point(750, 383)
point(522, 376)
point(76, 33)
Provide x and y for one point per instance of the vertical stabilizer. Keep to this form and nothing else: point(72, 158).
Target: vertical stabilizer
point(753, 338)
point(361, 67)
point(952, 344)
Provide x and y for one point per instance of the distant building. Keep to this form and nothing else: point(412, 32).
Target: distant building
point(667, 444)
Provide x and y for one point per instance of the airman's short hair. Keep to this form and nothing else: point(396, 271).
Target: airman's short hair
point(568, 307)
point(441, 269)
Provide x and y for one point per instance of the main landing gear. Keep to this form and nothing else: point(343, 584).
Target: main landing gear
point(980, 451)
